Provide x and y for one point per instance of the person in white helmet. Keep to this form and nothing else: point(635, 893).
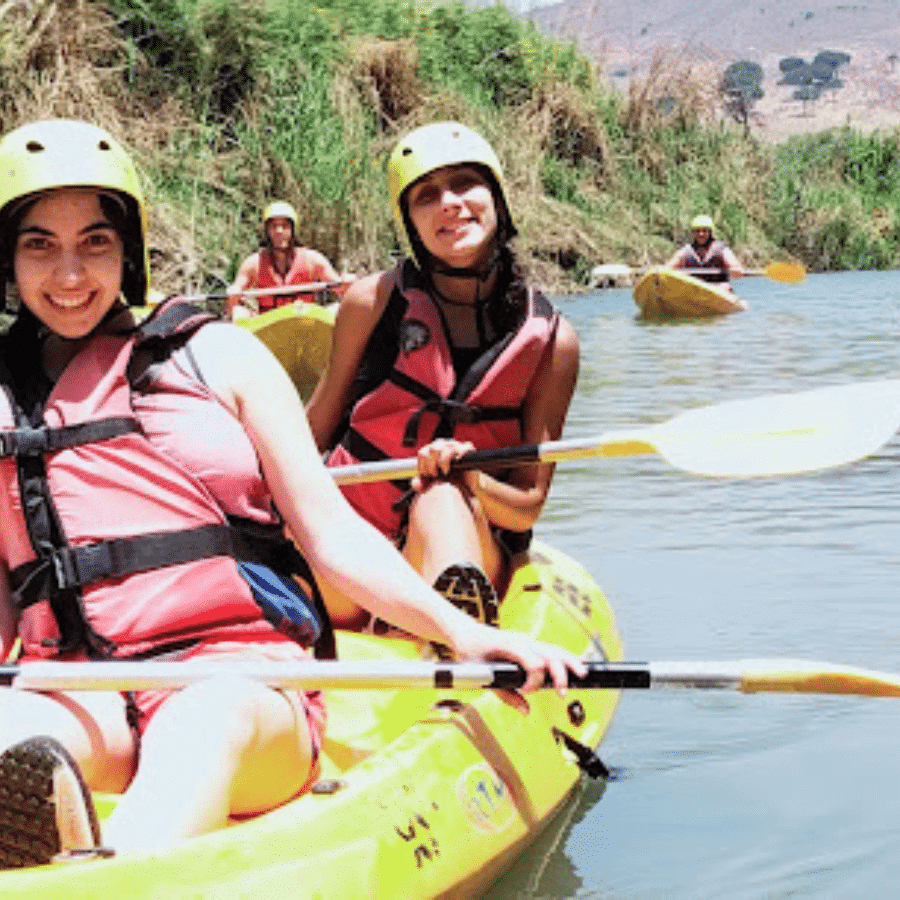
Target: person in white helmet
point(281, 261)
point(447, 352)
point(708, 258)
point(145, 470)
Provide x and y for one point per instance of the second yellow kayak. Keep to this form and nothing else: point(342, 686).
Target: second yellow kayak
point(299, 334)
point(668, 293)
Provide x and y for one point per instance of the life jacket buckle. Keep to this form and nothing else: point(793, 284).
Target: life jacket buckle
point(65, 569)
point(24, 442)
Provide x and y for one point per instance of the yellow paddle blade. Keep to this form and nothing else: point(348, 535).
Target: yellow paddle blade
point(785, 272)
point(782, 434)
point(752, 676)
point(819, 678)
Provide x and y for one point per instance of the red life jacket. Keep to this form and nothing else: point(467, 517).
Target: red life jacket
point(304, 269)
point(114, 547)
point(420, 398)
point(713, 261)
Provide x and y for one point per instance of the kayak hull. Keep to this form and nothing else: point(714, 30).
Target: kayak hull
point(422, 793)
point(668, 293)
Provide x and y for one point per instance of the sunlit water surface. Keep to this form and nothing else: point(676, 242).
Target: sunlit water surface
point(719, 794)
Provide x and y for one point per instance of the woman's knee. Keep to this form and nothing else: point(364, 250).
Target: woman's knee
point(93, 726)
point(262, 735)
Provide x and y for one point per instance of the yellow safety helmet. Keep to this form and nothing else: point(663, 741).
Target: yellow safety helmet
point(702, 222)
point(433, 147)
point(57, 153)
point(280, 209)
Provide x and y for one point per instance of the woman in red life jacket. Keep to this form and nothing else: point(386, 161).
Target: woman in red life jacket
point(279, 262)
point(145, 470)
point(708, 258)
point(440, 355)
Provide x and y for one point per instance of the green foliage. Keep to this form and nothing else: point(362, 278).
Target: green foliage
point(835, 200)
point(303, 98)
point(204, 50)
point(741, 86)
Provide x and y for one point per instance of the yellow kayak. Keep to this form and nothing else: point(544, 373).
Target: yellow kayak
point(299, 334)
point(667, 293)
point(423, 793)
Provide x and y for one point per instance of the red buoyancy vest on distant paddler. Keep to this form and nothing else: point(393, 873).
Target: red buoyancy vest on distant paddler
point(107, 530)
point(303, 270)
point(420, 399)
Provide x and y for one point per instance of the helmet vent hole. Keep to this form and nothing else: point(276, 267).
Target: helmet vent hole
point(34, 146)
point(407, 151)
point(103, 145)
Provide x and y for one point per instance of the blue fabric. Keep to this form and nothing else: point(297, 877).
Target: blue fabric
point(283, 602)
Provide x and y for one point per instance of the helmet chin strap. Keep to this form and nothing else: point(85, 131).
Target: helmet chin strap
point(481, 275)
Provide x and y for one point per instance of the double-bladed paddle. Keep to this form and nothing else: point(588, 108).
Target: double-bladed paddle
point(311, 287)
point(749, 676)
point(784, 272)
point(780, 434)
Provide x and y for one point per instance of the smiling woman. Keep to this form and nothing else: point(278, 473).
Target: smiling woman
point(147, 476)
point(68, 261)
point(448, 352)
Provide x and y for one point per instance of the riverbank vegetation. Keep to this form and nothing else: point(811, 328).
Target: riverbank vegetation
point(228, 103)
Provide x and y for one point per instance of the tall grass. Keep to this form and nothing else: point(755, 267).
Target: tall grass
point(835, 199)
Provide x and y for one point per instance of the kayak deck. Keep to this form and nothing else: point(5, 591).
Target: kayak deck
point(422, 793)
point(668, 293)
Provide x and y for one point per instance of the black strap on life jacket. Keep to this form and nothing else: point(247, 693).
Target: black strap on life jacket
point(454, 409)
point(60, 571)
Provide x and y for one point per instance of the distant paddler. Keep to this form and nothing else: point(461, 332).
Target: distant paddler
point(282, 260)
point(707, 257)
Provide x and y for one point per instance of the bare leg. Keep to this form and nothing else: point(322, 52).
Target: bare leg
point(226, 746)
point(447, 527)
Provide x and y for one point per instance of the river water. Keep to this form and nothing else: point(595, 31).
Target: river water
point(718, 794)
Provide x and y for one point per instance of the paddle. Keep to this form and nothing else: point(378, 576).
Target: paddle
point(780, 434)
point(748, 676)
point(309, 288)
point(784, 272)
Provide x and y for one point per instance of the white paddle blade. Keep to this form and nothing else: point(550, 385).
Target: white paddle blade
point(783, 434)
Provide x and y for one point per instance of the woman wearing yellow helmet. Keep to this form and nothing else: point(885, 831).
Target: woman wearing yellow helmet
point(142, 470)
point(443, 354)
point(281, 261)
point(708, 258)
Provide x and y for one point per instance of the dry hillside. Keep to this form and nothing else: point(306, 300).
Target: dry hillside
point(705, 36)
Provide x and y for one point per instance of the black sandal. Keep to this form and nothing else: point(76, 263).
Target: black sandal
point(465, 585)
point(46, 810)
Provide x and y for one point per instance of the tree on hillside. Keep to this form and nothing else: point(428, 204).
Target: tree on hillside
point(741, 89)
point(790, 62)
point(811, 79)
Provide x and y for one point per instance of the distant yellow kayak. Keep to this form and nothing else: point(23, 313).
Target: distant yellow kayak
point(668, 293)
point(423, 793)
point(299, 334)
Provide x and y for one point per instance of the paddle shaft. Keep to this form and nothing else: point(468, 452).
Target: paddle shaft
point(619, 443)
point(311, 287)
point(749, 676)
